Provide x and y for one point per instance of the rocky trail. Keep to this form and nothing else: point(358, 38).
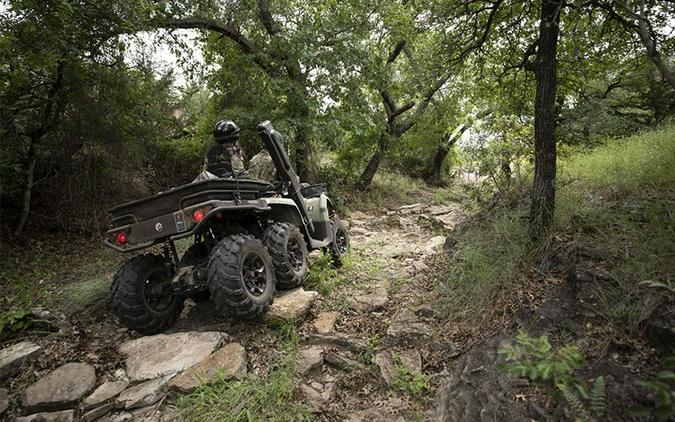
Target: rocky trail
point(360, 344)
point(373, 346)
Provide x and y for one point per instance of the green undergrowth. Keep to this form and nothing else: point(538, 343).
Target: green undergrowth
point(254, 398)
point(617, 200)
point(324, 277)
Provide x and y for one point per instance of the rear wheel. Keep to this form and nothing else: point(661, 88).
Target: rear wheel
point(197, 254)
point(340, 245)
point(142, 296)
point(289, 254)
point(241, 277)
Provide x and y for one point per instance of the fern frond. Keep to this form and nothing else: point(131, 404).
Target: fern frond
point(575, 404)
point(597, 399)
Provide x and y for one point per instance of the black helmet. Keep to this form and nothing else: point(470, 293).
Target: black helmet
point(225, 130)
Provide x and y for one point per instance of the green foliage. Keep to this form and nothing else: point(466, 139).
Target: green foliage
point(323, 277)
point(535, 358)
point(662, 386)
point(615, 199)
point(407, 381)
point(256, 397)
point(14, 321)
point(484, 263)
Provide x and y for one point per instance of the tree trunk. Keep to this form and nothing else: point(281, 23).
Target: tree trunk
point(374, 163)
point(543, 189)
point(369, 171)
point(441, 154)
point(302, 154)
point(29, 171)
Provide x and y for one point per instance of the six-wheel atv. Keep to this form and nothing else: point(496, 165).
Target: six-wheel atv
point(250, 239)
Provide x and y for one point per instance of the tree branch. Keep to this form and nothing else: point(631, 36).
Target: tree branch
point(267, 19)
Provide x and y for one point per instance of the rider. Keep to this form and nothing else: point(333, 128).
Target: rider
point(226, 148)
point(261, 166)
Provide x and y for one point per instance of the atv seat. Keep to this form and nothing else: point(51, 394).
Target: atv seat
point(273, 143)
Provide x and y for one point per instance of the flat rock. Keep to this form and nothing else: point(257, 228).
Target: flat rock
point(409, 209)
point(106, 391)
point(163, 354)
point(390, 362)
point(325, 322)
point(406, 326)
point(16, 355)
point(97, 412)
point(370, 302)
point(435, 244)
point(61, 388)
point(227, 363)
point(309, 360)
point(144, 394)
point(292, 305)
point(4, 400)
point(313, 397)
point(344, 363)
point(440, 209)
point(63, 416)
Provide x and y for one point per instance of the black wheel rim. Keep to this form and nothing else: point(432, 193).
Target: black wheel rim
point(254, 274)
point(341, 243)
point(295, 255)
point(158, 295)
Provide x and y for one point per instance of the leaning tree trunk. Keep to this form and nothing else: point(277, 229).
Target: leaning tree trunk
point(543, 189)
point(374, 163)
point(29, 172)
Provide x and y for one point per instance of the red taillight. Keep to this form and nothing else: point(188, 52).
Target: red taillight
point(121, 238)
point(198, 216)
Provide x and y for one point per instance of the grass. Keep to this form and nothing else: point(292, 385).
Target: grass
point(485, 263)
point(617, 199)
point(254, 398)
point(323, 277)
point(620, 200)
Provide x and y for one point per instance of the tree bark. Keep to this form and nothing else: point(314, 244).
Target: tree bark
point(373, 164)
point(29, 172)
point(444, 147)
point(546, 68)
point(35, 136)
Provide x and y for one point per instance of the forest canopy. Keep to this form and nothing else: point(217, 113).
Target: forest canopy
point(355, 86)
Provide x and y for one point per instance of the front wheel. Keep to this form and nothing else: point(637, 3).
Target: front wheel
point(340, 246)
point(289, 254)
point(142, 297)
point(241, 277)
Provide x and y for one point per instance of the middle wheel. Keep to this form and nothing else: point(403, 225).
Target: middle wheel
point(241, 277)
point(289, 254)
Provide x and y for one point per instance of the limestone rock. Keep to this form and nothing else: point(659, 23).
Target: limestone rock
point(342, 362)
point(13, 357)
point(325, 322)
point(313, 397)
point(61, 388)
point(163, 354)
point(291, 305)
point(435, 244)
point(310, 359)
point(97, 412)
point(388, 363)
point(144, 394)
point(63, 416)
point(405, 326)
point(105, 392)
point(228, 362)
point(4, 400)
point(410, 209)
point(440, 209)
point(372, 301)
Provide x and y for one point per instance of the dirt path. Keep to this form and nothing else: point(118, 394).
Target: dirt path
point(374, 330)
